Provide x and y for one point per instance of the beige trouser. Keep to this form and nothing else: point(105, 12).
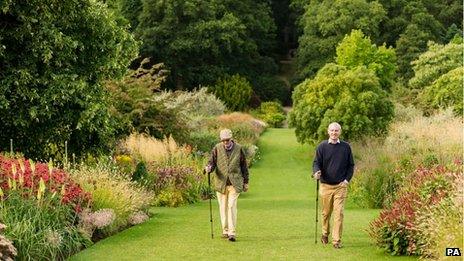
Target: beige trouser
point(228, 210)
point(333, 200)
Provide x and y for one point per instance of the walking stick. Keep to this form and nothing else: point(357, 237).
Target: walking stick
point(210, 206)
point(317, 208)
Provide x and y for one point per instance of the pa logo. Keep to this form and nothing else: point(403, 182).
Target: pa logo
point(453, 251)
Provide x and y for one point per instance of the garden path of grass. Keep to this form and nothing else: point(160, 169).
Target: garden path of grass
point(276, 219)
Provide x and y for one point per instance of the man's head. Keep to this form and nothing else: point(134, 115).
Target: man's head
point(225, 135)
point(334, 131)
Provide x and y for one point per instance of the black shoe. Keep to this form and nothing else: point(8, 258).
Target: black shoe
point(337, 245)
point(232, 238)
point(325, 239)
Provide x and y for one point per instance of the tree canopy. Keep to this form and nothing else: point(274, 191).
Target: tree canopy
point(354, 98)
point(55, 56)
point(357, 50)
point(201, 41)
point(326, 22)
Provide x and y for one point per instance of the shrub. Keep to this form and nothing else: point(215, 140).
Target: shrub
point(272, 113)
point(89, 221)
point(245, 128)
point(37, 180)
point(203, 141)
point(353, 98)
point(252, 153)
point(175, 185)
point(438, 60)
point(111, 190)
point(140, 173)
point(196, 102)
point(406, 113)
point(41, 230)
point(137, 107)
point(396, 229)
point(193, 109)
point(445, 92)
point(441, 224)
point(235, 91)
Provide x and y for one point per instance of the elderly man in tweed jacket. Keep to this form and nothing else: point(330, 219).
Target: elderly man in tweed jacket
point(228, 159)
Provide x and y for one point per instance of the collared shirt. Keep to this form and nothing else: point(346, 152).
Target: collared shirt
point(330, 141)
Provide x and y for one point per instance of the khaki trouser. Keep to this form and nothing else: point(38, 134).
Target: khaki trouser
point(228, 210)
point(333, 200)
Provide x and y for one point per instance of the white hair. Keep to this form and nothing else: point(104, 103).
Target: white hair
point(334, 124)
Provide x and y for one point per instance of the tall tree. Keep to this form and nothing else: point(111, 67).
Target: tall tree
point(411, 24)
point(326, 22)
point(352, 97)
point(202, 40)
point(55, 55)
point(357, 50)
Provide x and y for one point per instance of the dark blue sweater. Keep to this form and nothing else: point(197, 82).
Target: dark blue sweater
point(335, 161)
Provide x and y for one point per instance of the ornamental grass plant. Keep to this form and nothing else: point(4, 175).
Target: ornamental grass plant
point(441, 225)
point(112, 190)
point(413, 141)
point(148, 149)
point(41, 229)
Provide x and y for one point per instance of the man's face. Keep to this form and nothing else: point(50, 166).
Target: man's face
point(226, 142)
point(334, 132)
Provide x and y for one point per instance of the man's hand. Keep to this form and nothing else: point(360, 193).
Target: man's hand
point(245, 187)
point(317, 175)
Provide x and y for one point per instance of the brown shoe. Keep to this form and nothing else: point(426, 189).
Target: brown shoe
point(325, 239)
point(337, 245)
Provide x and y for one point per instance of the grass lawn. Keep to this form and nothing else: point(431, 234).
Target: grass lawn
point(276, 219)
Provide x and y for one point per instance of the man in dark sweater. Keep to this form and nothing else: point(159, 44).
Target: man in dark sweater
point(333, 165)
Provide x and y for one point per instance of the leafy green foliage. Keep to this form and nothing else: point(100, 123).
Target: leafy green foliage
point(435, 62)
point(201, 41)
point(438, 76)
point(353, 98)
point(325, 23)
point(446, 91)
point(235, 91)
point(111, 190)
point(396, 229)
point(55, 55)
point(272, 113)
point(41, 230)
point(136, 107)
point(272, 89)
point(411, 43)
point(356, 50)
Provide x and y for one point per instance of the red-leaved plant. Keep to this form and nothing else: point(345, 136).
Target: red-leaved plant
point(40, 179)
point(395, 229)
